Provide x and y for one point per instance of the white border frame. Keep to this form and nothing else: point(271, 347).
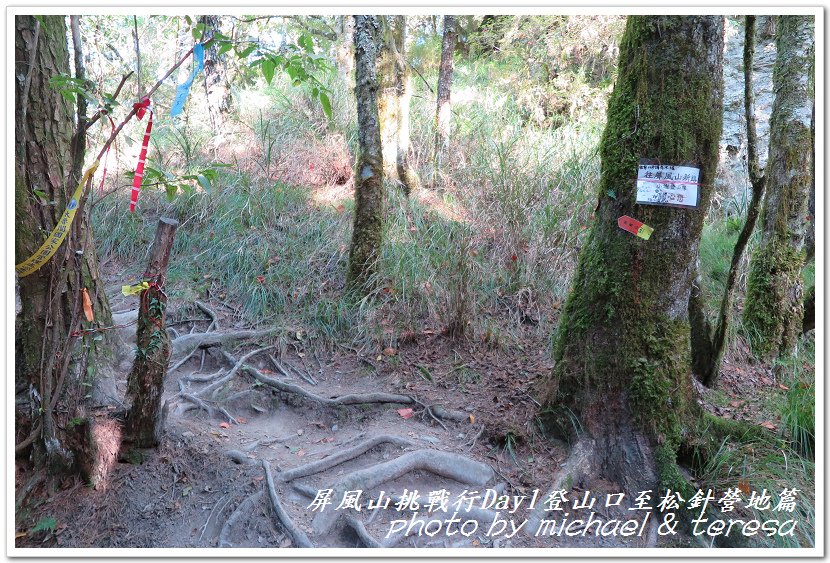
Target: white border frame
point(457, 7)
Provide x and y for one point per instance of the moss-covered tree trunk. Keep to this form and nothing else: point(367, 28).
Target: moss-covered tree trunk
point(394, 99)
point(443, 109)
point(369, 201)
point(622, 346)
point(50, 364)
point(774, 304)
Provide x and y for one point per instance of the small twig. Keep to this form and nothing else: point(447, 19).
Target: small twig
point(428, 410)
point(472, 443)
point(103, 111)
point(137, 56)
point(413, 67)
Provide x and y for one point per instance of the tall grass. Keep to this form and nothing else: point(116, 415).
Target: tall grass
point(263, 241)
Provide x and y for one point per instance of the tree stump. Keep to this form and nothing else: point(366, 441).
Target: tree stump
point(146, 381)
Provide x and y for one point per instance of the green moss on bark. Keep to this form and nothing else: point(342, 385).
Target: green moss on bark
point(624, 334)
point(772, 321)
point(774, 312)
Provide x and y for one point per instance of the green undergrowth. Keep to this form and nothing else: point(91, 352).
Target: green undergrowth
point(511, 218)
point(738, 455)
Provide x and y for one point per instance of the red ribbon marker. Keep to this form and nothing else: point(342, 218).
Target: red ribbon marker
point(141, 109)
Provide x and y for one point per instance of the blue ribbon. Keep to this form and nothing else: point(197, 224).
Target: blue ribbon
point(183, 89)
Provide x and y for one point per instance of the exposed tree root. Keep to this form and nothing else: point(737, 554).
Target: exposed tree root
point(184, 360)
point(577, 465)
point(244, 510)
point(211, 409)
point(184, 344)
point(470, 513)
point(215, 511)
point(360, 531)
point(215, 386)
point(445, 464)
point(350, 399)
point(214, 319)
point(299, 537)
point(239, 457)
point(307, 378)
point(203, 378)
point(340, 457)
point(21, 447)
point(455, 416)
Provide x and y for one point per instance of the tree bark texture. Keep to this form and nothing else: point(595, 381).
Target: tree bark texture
point(622, 345)
point(217, 87)
point(443, 110)
point(774, 310)
point(145, 384)
point(46, 354)
point(345, 46)
point(369, 196)
point(394, 97)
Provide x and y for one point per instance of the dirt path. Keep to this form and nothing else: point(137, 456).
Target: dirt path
point(206, 486)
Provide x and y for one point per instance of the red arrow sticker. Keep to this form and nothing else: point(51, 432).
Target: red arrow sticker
point(634, 227)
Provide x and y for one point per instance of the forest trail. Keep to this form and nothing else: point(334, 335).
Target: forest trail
point(205, 485)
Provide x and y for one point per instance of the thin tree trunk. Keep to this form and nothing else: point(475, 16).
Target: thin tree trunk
point(774, 310)
point(622, 345)
point(369, 198)
point(145, 384)
point(406, 173)
point(345, 48)
point(48, 360)
point(394, 96)
point(217, 87)
point(708, 345)
point(443, 110)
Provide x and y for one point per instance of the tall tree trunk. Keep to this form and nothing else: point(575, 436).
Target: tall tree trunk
point(368, 215)
point(774, 309)
point(50, 363)
point(345, 47)
point(395, 94)
point(708, 342)
point(443, 110)
point(622, 345)
point(217, 87)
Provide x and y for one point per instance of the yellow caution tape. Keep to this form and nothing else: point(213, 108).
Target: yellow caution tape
point(134, 289)
point(48, 248)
